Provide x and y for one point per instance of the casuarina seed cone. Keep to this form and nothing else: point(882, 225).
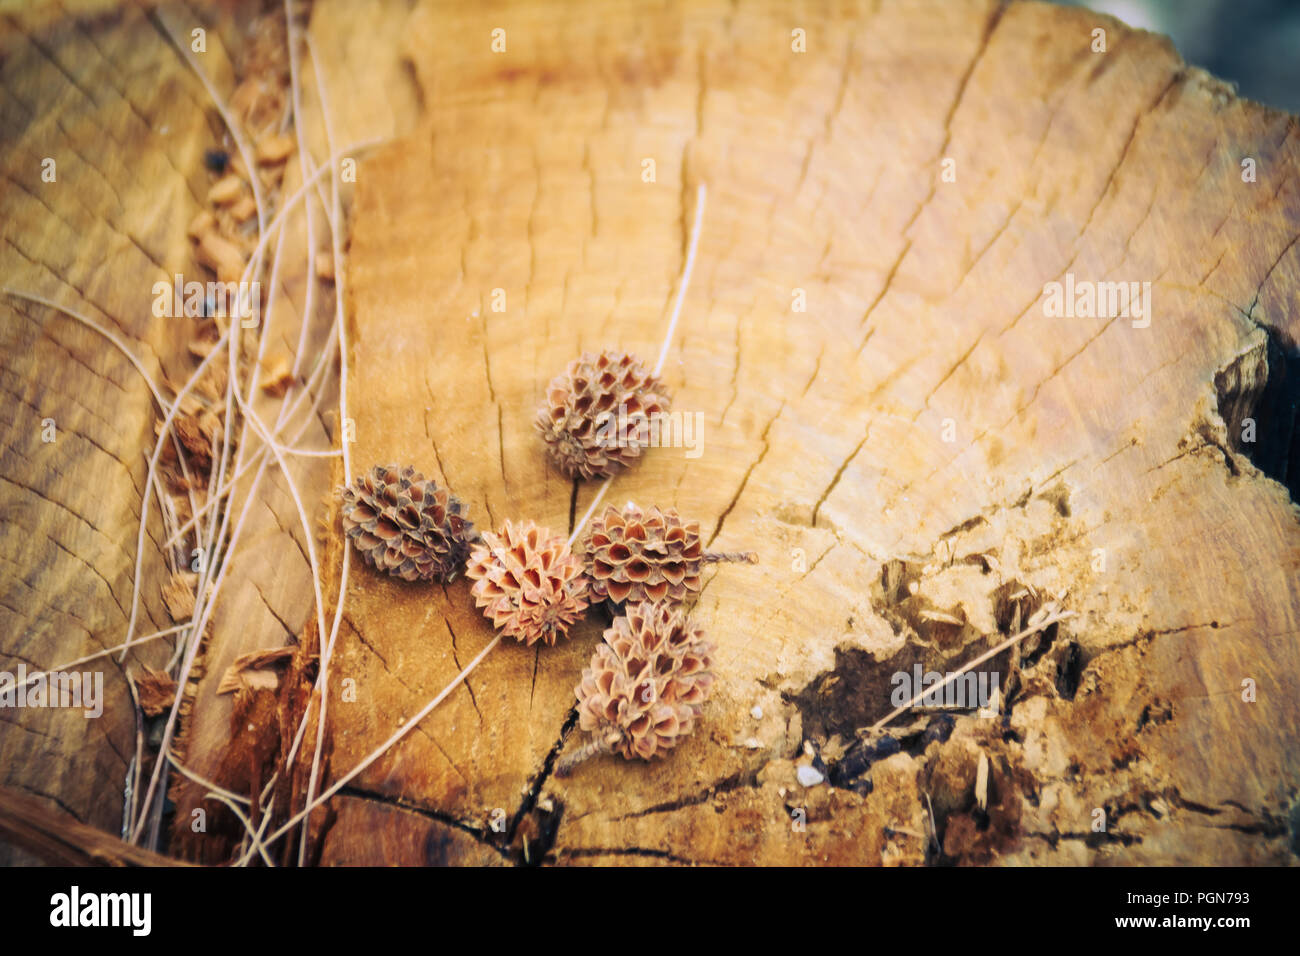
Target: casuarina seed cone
point(645, 686)
point(597, 415)
point(649, 555)
point(406, 525)
point(527, 582)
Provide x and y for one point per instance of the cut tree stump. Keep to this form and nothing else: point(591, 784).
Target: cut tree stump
point(923, 416)
point(58, 838)
point(917, 451)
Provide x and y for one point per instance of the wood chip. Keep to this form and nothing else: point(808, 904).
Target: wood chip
point(244, 210)
point(194, 437)
point(170, 472)
point(178, 595)
point(226, 190)
point(325, 266)
point(279, 376)
point(275, 149)
point(834, 749)
point(994, 705)
point(157, 690)
point(213, 383)
point(221, 256)
point(245, 96)
point(200, 224)
point(256, 670)
point(210, 423)
point(943, 617)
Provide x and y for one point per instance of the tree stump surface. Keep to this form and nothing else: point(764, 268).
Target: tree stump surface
point(106, 95)
point(916, 448)
point(824, 431)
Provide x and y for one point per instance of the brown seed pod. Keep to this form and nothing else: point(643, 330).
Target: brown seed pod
point(645, 686)
point(596, 419)
point(636, 555)
point(527, 582)
point(405, 525)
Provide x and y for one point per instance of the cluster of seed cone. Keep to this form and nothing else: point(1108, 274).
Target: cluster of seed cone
point(645, 686)
point(596, 419)
point(527, 582)
point(406, 525)
point(636, 555)
point(647, 681)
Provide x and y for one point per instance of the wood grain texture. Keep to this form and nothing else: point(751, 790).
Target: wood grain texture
point(825, 430)
point(109, 98)
point(59, 839)
point(116, 111)
point(923, 422)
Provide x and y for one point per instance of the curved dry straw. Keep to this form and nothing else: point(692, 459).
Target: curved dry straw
point(409, 725)
point(235, 456)
point(219, 520)
point(1040, 621)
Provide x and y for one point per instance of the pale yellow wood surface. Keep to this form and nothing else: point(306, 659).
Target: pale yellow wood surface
point(824, 431)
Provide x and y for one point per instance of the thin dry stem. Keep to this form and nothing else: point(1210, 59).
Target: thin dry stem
point(327, 646)
point(700, 194)
point(997, 649)
point(596, 746)
point(428, 708)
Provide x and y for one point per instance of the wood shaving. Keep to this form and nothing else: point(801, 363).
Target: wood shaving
point(157, 690)
point(940, 616)
point(325, 266)
point(226, 190)
point(279, 376)
point(178, 595)
point(201, 348)
point(256, 670)
point(244, 210)
point(202, 223)
point(212, 385)
point(221, 256)
point(275, 149)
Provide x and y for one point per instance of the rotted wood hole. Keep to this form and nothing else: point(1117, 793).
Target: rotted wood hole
point(989, 342)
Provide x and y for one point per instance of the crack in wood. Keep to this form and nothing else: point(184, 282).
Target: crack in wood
point(717, 529)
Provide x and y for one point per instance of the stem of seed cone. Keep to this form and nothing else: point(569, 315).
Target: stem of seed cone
point(748, 557)
point(597, 745)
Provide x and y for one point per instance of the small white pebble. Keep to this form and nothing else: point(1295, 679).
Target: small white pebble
point(809, 776)
point(757, 712)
